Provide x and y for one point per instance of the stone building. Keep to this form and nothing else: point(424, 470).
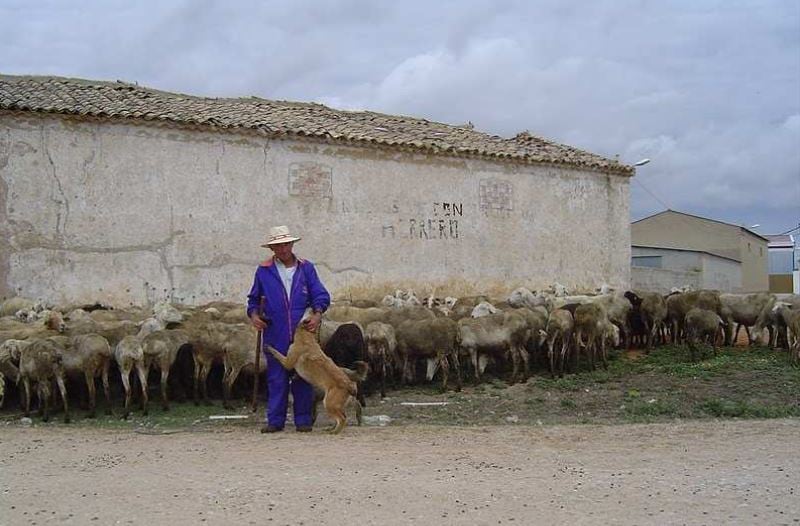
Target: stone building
point(658, 269)
point(677, 230)
point(127, 194)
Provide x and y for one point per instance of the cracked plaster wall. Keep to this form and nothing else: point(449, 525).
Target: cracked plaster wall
point(133, 213)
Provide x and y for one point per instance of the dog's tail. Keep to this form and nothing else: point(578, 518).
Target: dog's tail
point(359, 371)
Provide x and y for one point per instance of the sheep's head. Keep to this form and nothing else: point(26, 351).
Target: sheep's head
point(391, 301)
point(542, 336)
point(11, 349)
point(77, 315)
point(519, 297)
point(758, 334)
point(605, 288)
point(54, 321)
point(612, 333)
point(25, 315)
point(484, 308)
point(168, 314)
point(633, 298)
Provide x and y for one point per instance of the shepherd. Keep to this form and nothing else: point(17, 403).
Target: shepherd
point(285, 286)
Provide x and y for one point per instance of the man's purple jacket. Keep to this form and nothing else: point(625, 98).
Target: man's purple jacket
point(307, 291)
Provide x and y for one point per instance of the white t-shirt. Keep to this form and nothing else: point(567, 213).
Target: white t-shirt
point(287, 276)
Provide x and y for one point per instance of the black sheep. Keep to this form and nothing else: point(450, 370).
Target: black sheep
point(345, 347)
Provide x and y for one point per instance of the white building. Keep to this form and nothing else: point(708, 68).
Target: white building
point(126, 194)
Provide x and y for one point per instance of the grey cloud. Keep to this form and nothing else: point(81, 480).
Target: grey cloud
point(709, 90)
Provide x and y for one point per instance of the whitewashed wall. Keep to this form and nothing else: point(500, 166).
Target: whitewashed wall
point(134, 213)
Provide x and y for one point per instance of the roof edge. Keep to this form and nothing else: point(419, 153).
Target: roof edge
point(687, 250)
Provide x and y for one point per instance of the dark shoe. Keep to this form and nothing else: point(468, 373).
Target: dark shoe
point(303, 429)
point(271, 429)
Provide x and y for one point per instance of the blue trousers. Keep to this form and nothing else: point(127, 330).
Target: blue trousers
point(278, 384)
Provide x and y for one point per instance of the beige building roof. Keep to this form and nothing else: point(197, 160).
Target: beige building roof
point(670, 211)
point(120, 100)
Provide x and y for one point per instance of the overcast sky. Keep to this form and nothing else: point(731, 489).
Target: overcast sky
point(709, 90)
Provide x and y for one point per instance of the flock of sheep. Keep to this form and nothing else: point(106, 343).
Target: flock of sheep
point(42, 346)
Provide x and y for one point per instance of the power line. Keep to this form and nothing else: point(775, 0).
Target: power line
point(666, 206)
point(790, 230)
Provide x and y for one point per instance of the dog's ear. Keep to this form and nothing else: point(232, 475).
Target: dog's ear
point(306, 315)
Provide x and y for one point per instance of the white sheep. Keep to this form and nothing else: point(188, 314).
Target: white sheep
point(484, 308)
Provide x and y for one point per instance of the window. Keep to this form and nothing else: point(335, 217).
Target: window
point(646, 261)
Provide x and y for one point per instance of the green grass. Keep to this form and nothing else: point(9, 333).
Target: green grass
point(639, 410)
point(568, 403)
point(725, 408)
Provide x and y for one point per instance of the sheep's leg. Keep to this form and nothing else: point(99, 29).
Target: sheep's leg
point(197, 368)
point(362, 401)
point(106, 386)
point(382, 358)
point(359, 410)
point(604, 352)
point(735, 337)
point(26, 383)
point(625, 336)
point(473, 356)
point(164, 380)
point(691, 343)
point(226, 390)
point(648, 331)
point(90, 387)
point(204, 370)
point(730, 338)
point(514, 352)
point(62, 387)
point(526, 367)
point(125, 374)
point(445, 372)
point(564, 354)
point(714, 341)
point(141, 372)
point(751, 335)
point(551, 355)
point(227, 384)
point(457, 366)
point(44, 399)
point(404, 375)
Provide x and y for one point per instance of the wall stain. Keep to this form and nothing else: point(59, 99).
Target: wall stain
point(5, 230)
point(61, 228)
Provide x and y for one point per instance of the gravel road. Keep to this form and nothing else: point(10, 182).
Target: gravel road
point(726, 472)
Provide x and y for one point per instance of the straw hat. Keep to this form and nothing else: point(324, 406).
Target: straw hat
point(279, 234)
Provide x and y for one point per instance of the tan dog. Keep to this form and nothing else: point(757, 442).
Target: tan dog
point(306, 357)
point(355, 376)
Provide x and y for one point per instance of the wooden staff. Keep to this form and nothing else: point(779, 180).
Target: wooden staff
point(259, 343)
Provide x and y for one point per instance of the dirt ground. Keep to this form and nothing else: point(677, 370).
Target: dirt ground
point(707, 472)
